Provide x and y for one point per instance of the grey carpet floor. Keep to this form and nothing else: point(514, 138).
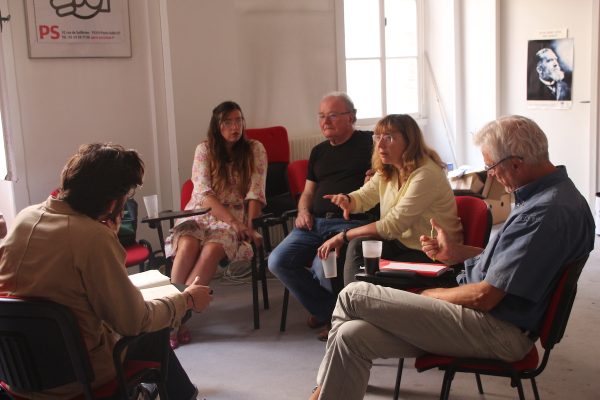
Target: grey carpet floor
point(229, 360)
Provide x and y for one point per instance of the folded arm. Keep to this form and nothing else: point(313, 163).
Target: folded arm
point(479, 296)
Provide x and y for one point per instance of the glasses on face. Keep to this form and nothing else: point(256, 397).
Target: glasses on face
point(332, 116)
point(387, 138)
point(488, 168)
point(230, 123)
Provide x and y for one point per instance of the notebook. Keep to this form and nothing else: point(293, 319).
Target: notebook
point(153, 284)
point(399, 268)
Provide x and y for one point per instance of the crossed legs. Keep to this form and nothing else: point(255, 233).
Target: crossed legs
point(371, 322)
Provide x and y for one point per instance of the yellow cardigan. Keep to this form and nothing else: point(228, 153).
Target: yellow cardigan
point(406, 210)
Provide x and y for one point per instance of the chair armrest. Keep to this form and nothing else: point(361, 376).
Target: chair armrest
point(289, 214)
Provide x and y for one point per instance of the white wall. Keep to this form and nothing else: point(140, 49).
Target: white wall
point(568, 131)
point(441, 50)
point(275, 58)
point(68, 102)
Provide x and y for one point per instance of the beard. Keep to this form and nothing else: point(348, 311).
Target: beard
point(556, 75)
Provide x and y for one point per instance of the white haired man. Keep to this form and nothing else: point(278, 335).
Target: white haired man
point(496, 312)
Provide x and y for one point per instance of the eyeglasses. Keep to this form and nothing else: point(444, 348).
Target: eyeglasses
point(387, 138)
point(230, 123)
point(494, 165)
point(332, 116)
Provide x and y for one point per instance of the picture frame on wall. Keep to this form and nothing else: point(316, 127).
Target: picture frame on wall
point(78, 28)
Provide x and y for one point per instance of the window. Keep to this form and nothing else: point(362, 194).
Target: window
point(379, 56)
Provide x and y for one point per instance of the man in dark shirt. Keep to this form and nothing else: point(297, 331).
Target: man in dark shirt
point(337, 165)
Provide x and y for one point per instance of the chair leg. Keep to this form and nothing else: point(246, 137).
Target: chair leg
point(253, 268)
point(446, 384)
point(284, 308)
point(520, 390)
point(479, 385)
point(535, 389)
point(398, 378)
point(263, 278)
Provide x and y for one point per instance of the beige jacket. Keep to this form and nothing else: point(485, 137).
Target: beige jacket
point(406, 210)
point(58, 254)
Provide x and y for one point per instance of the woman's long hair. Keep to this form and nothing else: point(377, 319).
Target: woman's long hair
point(218, 156)
point(415, 152)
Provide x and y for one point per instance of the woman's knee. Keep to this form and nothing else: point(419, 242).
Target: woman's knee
point(213, 251)
point(188, 244)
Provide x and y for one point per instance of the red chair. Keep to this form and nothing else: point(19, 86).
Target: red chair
point(41, 348)
point(296, 172)
point(553, 328)
point(138, 252)
point(277, 146)
point(476, 220)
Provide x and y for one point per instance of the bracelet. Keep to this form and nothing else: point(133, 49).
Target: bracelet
point(345, 235)
point(191, 298)
point(347, 197)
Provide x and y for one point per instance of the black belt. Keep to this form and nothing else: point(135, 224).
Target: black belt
point(337, 214)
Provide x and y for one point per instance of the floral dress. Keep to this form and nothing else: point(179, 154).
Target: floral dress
point(208, 229)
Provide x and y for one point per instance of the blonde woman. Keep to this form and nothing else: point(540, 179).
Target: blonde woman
point(229, 175)
point(411, 186)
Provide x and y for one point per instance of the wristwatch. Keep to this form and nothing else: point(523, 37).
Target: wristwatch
point(345, 235)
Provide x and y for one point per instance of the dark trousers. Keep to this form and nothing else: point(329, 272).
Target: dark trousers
point(390, 250)
point(148, 348)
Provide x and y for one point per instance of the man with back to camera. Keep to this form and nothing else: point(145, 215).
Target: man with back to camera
point(66, 250)
point(550, 84)
point(337, 165)
point(497, 311)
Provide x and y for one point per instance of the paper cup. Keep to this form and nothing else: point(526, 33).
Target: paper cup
point(151, 203)
point(330, 265)
point(371, 254)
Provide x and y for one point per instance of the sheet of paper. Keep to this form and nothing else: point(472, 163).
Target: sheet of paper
point(406, 266)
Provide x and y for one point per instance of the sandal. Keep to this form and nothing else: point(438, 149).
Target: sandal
point(314, 323)
point(184, 336)
point(324, 334)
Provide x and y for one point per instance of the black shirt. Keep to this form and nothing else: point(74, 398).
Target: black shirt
point(338, 169)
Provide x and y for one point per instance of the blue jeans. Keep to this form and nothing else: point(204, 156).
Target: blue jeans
point(290, 260)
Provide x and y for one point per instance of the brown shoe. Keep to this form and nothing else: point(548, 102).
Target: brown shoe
point(324, 334)
point(313, 323)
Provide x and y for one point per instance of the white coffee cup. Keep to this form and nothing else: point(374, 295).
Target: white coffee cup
point(371, 254)
point(151, 203)
point(330, 265)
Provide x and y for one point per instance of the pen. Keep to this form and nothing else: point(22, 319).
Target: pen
point(431, 236)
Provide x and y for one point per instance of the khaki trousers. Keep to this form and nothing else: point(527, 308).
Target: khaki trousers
point(371, 322)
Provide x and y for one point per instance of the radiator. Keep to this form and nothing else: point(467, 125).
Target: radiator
point(301, 146)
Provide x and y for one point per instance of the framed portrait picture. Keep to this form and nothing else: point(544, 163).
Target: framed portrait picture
point(550, 73)
point(78, 28)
